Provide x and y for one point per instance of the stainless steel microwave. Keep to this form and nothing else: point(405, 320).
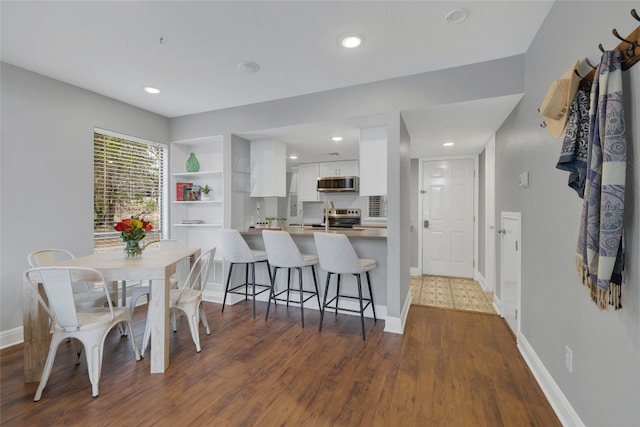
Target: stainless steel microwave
point(338, 184)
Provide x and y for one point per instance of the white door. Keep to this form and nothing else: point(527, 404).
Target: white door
point(510, 269)
point(447, 217)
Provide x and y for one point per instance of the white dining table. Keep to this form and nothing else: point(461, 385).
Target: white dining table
point(156, 265)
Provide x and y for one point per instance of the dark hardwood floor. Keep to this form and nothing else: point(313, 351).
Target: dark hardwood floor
point(450, 368)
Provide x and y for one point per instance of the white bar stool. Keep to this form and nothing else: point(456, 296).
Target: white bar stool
point(337, 256)
point(236, 251)
point(282, 252)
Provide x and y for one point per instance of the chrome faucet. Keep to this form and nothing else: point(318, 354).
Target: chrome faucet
point(328, 205)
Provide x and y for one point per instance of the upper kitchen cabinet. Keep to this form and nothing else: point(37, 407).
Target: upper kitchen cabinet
point(341, 168)
point(308, 174)
point(268, 168)
point(373, 161)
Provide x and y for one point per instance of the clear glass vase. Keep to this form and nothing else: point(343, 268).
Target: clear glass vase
point(132, 248)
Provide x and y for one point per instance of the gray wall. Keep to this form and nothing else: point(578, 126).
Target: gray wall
point(47, 170)
point(416, 223)
point(604, 387)
point(480, 262)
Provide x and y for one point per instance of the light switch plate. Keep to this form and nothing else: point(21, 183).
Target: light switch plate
point(523, 180)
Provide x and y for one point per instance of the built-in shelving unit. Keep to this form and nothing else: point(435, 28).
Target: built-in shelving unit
point(209, 210)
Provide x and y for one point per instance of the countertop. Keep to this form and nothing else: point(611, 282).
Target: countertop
point(357, 232)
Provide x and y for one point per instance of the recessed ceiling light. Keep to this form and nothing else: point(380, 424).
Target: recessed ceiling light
point(248, 67)
point(350, 41)
point(151, 89)
point(448, 144)
point(456, 16)
point(293, 157)
point(336, 138)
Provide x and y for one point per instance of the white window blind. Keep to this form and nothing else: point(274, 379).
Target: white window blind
point(129, 180)
point(377, 206)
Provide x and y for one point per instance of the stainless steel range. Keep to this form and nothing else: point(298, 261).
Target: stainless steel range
point(343, 218)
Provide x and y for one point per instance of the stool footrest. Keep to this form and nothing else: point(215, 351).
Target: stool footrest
point(364, 307)
point(304, 292)
point(248, 287)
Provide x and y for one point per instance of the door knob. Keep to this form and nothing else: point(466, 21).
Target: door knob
point(502, 231)
point(426, 223)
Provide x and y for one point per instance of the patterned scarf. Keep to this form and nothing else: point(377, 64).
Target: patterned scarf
point(573, 157)
point(600, 257)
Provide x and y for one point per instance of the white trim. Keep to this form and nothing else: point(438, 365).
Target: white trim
point(560, 404)
point(131, 138)
point(11, 337)
point(395, 325)
point(497, 305)
point(478, 277)
point(415, 271)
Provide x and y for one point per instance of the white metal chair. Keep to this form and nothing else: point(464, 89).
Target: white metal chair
point(68, 320)
point(236, 251)
point(188, 299)
point(337, 256)
point(84, 294)
point(282, 252)
point(140, 291)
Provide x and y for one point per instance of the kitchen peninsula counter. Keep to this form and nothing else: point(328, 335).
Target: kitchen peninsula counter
point(367, 242)
point(359, 232)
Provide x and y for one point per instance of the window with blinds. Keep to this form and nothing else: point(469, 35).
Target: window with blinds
point(129, 179)
point(377, 207)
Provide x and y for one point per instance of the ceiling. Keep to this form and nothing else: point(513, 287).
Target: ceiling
point(191, 50)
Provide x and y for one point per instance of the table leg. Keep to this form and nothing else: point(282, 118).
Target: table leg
point(36, 335)
point(159, 318)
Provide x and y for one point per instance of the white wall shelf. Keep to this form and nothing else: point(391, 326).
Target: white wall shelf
point(197, 174)
point(198, 225)
point(197, 202)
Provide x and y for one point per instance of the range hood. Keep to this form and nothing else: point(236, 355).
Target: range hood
point(338, 184)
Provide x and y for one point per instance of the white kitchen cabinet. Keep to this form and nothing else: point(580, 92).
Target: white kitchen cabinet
point(268, 168)
point(308, 174)
point(373, 161)
point(340, 168)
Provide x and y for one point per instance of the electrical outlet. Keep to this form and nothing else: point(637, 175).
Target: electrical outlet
point(568, 358)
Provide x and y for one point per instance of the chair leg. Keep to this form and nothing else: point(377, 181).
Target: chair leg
point(46, 371)
point(288, 286)
point(253, 282)
point(226, 289)
point(324, 301)
point(361, 307)
point(78, 346)
point(93, 352)
point(129, 325)
point(338, 292)
point(172, 320)
point(301, 296)
point(315, 284)
point(193, 318)
point(203, 318)
point(373, 306)
point(246, 281)
point(272, 293)
point(147, 336)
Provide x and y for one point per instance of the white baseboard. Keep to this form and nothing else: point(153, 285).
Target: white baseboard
point(497, 305)
point(11, 337)
point(415, 271)
point(395, 325)
point(478, 277)
point(563, 409)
